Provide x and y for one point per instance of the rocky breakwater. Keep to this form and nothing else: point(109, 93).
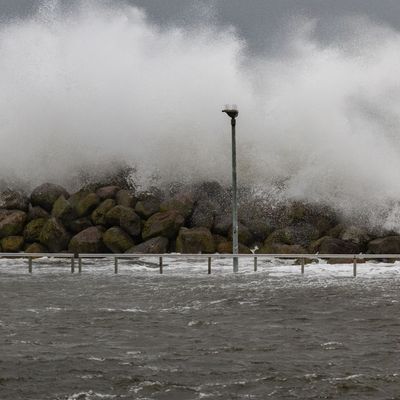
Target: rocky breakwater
point(101, 219)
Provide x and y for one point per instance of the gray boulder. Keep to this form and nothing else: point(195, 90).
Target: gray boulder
point(33, 228)
point(37, 212)
point(126, 198)
point(46, 195)
point(11, 223)
point(12, 244)
point(89, 240)
point(79, 225)
point(329, 245)
point(182, 203)
point(14, 200)
point(54, 236)
point(157, 245)
point(195, 240)
point(148, 206)
point(165, 224)
point(117, 240)
point(126, 218)
point(107, 192)
point(386, 245)
point(99, 214)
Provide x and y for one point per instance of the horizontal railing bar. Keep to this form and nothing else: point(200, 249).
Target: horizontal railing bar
point(202, 256)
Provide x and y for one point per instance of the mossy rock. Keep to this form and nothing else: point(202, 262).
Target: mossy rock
point(89, 240)
point(35, 248)
point(79, 225)
point(165, 224)
point(117, 240)
point(182, 203)
point(32, 229)
point(14, 200)
point(87, 204)
point(126, 198)
point(195, 240)
point(226, 247)
point(12, 223)
point(46, 195)
point(54, 235)
point(63, 210)
point(281, 248)
point(98, 216)
point(12, 244)
point(148, 206)
point(157, 245)
point(126, 218)
point(36, 213)
point(329, 245)
point(107, 192)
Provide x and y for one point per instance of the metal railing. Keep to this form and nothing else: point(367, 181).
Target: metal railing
point(302, 258)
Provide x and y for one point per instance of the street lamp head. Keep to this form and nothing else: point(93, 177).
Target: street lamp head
point(231, 110)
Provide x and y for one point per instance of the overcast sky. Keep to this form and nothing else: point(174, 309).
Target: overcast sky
point(260, 22)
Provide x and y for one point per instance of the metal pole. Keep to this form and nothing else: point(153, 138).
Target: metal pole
point(255, 264)
point(161, 265)
point(72, 264)
point(30, 265)
point(302, 266)
point(116, 265)
point(79, 265)
point(209, 265)
point(235, 240)
point(355, 267)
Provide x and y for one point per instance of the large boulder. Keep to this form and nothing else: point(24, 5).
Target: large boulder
point(147, 206)
point(35, 248)
point(244, 235)
point(195, 240)
point(12, 244)
point(46, 195)
point(14, 200)
point(281, 248)
point(226, 247)
point(117, 240)
point(157, 245)
point(165, 224)
point(182, 203)
point(355, 235)
point(330, 245)
point(386, 245)
point(54, 236)
point(89, 240)
point(126, 198)
point(36, 213)
point(79, 225)
point(11, 223)
point(126, 218)
point(32, 229)
point(87, 204)
point(107, 192)
point(99, 214)
point(203, 214)
point(222, 224)
point(63, 210)
point(301, 234)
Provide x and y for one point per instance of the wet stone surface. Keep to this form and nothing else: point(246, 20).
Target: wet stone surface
point(250, 336)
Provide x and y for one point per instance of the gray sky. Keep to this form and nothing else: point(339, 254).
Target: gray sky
point(261, 22)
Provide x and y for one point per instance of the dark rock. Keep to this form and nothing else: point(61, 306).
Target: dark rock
point(301, 234)
point(117, 240)
point(219, 239)
point(89, 240)
point(35, 248)
point(75, 198)
point(37, 212)
point(99, 214)
point(355, 235)
point(386, 245)
point(63, 210)
point(226, 247)
point(79, 225)
point(11, 223)
point(182, 203)
point(244, 235)
point(12, 244)
point(157, 245)
point(211, 190)
point(148, 206)
point(32, 229)
point(204, 214)
point(126, 218)
point(329, 245)
point(87, 204)
point(13, 200)
point(107, 192)
point(54, 236)
point(46, 195)
point(165, 224)
point(195, 240)
point(281, 248)
point(223, 224)
point(126, 198)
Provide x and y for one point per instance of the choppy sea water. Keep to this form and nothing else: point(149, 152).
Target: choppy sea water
point(186, 335)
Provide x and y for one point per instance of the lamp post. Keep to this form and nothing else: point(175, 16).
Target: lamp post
point(232, 112)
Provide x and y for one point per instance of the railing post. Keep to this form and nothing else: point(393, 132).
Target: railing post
point(72, 264)
point(116, 265)
point(30, 265)
point(302, 266)
point(209, 265)
point(161, 265)
point(79, 265)
point(255, 264)
point(354, 266)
